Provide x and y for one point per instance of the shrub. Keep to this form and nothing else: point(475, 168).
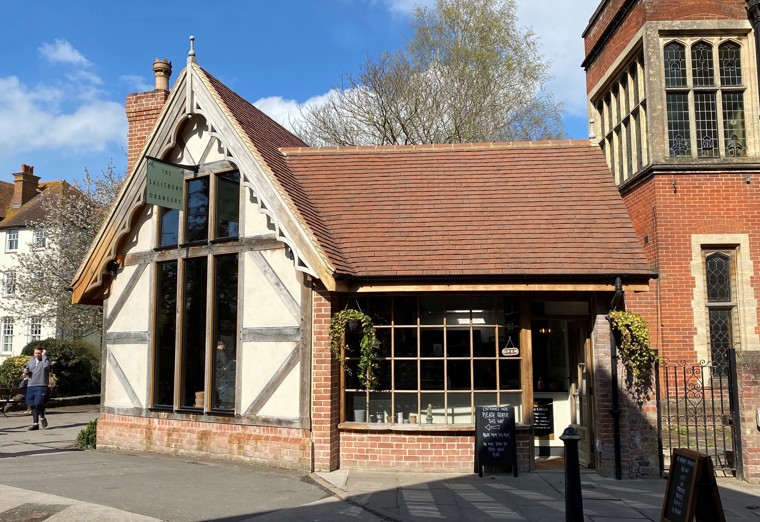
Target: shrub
point(76, 365)
point(10, 370)
point(88, 437)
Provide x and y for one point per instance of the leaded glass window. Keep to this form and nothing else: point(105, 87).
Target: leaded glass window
point(702, 64)
point(705, 107)
point(720, 308)
point(675, 65)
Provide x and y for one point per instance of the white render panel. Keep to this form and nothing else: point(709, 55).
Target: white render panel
point(284, 401)
point(132, 360)
point(264, 304)
point(260, 363)
point(141, 235)
point(134, 315)
point(256, 222)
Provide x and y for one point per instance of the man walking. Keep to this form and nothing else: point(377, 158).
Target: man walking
point(37, 370)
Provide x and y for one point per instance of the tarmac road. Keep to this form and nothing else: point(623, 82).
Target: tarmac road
point(47, 480)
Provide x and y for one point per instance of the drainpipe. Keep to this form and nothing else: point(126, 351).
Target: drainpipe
point(615, 411)
point(753, 10)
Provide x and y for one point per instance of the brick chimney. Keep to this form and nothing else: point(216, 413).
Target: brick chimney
point(143, 109)
point(25, 185)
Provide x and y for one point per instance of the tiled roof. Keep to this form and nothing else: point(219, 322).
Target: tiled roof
point(33, 211)
point(6, 194)
point(496, 209)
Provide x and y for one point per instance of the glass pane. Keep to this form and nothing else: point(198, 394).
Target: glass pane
point(384, 338)
point(225, 330)
point(194, 333)
point(432, 342)
point(380, 407)
point(352, 374)
point(405, 404)
point(483, 311)
point(721, 339)
point(431, 375)
point(733, 124)
point(384, 375)
point(459, 410)
point(435, 403)
point(169, 227)
point(405, 375)
point(457, 310)
point(459, 375)
point(432, 310)
point(227, 204)
point(706, 113)
point(405, 342)
point(718, 273)
point(457, 342)
point(675, 65)
point(484, 342)
point(196, 215)
point(405, 310)
point(729, 60)
point(702, 64)
point(509, 374)
point(165, 333)
point(484, 373)
point(356, 407)
point(379, 309)
point(679, 138)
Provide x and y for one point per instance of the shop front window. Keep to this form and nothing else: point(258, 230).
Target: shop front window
point(448, 354)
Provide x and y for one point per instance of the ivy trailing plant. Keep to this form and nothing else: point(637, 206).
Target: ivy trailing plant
point(635, 353)
point(368, 344)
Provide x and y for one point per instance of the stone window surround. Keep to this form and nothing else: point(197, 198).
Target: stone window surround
point(745, 339)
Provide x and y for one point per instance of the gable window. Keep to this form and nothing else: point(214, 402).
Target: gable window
point(7, 327)
point(35, 328)
point(38, 241)
point(206, 356)
point(721, 306)
point(9, 283)
point(704, 101)
point(11, 240)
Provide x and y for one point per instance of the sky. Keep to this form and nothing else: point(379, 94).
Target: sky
point(66, 68)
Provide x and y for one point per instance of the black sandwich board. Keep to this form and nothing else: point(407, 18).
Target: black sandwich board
point(495, 437)
point(692, 492)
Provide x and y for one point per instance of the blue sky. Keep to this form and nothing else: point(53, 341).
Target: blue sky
point(67, 67)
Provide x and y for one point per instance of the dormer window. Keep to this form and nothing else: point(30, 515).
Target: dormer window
point(705, 103)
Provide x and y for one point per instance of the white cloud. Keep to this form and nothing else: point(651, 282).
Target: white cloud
point(137, 82)
point(34, 120)
point(286, 112)
point(61, 51)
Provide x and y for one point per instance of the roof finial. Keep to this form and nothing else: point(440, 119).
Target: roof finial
point(191, 54)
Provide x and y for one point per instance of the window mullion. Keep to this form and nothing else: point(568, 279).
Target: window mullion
point(179, 335)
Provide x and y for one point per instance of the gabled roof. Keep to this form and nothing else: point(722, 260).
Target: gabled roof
point(6, 195)
point(33, 211)
point(492, 209)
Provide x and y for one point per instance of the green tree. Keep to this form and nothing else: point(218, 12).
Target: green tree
point(72, 216)
point(469, 74)
point(76, 364)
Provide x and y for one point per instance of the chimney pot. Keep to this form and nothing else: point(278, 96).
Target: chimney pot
point(162, 69)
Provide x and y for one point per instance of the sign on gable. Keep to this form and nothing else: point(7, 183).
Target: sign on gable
point(165, 184)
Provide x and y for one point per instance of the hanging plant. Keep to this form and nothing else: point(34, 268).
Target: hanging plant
point(368, 344)
point(635, 353)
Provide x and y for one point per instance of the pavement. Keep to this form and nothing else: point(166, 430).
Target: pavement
point(43, 477)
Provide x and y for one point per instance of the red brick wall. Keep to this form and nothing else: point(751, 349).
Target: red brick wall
point(142, 110)
point(420, 452)
point(325, 402)
point(749, 402)
point(644, 11)
point(272, 446)
point(704, 203)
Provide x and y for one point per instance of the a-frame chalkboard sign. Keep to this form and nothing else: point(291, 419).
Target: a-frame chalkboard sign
point(495, 438)
point(692, 492)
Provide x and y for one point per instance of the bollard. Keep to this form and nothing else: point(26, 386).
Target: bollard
point(573, 495)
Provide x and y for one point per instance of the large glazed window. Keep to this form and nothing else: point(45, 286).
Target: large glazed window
point(704, 101)
point(450, 352)
point(165, 334)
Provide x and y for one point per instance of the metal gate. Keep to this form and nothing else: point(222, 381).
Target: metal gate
point(697, 407)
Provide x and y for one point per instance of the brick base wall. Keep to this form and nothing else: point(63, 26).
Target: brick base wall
point(265, 445)
point(452, 452)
